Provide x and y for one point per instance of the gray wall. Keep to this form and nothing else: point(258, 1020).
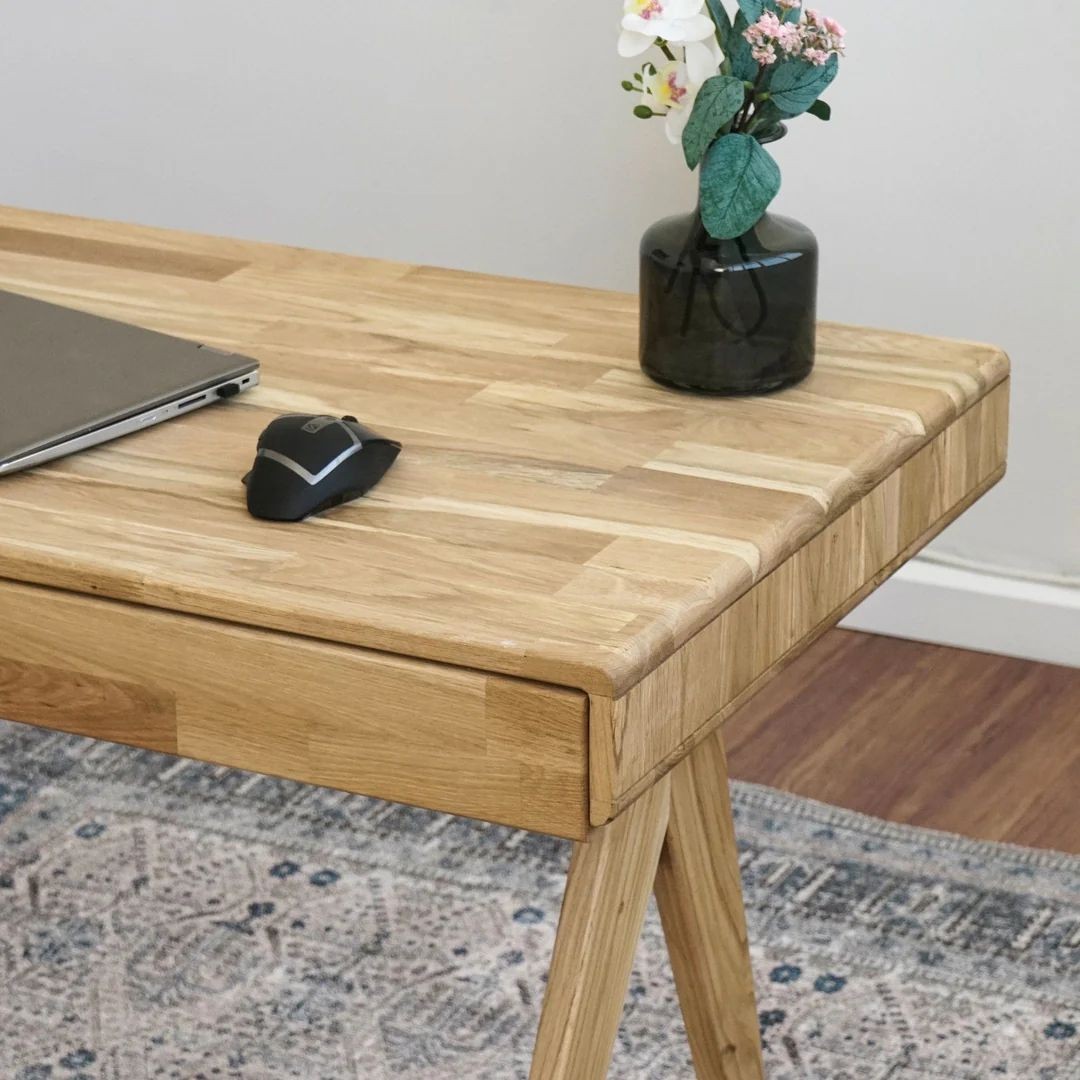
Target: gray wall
point(493, 136)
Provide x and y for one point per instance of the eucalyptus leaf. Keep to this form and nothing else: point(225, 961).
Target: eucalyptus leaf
point(821, 109)
point(797, 84)
point(753, 9)
point(723, 22)
point(738, 181)
point(718, 100)
point(743, 65)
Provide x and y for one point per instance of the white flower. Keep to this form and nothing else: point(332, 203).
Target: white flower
point(703, 59)
point(670, 91)
point(679, 22)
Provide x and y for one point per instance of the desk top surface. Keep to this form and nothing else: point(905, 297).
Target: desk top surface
point(554, 514)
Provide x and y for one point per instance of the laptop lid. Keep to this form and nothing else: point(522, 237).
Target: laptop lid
point(64, 373)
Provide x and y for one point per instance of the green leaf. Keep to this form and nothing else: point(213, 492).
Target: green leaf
point(753, 9)
point(723, 22)
point(743, 65)
point(797, 84)
point(718, 100)
point(821, 109)
point(738, 181)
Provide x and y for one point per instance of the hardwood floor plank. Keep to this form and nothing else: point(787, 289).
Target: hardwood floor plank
point(982, 745)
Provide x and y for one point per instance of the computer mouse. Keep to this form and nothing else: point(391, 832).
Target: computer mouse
point(305, 464)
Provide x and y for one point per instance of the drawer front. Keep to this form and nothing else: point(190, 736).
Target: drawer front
point(431, 735)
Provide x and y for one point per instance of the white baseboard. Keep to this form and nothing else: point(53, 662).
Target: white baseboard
point(988, 612)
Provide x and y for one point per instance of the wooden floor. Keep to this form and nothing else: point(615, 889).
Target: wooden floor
point(981, 745)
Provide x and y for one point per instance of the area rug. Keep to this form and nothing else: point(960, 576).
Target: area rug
point(165, 919)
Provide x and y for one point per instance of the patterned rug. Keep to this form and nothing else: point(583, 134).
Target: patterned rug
point(172, 920)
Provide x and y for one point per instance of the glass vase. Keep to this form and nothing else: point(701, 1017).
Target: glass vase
point(728, 316)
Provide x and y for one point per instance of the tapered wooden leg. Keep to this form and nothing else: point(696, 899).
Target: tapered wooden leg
point(607, 890)
point(700, 899)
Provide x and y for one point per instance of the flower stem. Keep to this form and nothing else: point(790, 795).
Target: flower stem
point(741, 123)
point(663, 46)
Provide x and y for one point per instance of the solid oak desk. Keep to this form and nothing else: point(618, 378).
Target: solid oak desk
point(542, 616)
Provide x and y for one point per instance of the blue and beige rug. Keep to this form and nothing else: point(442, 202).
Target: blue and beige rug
point(171, 920)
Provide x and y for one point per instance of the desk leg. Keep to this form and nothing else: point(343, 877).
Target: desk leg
point(700, 899)
point(607, 890)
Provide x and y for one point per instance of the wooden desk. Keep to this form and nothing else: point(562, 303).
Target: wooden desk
point(542, 616)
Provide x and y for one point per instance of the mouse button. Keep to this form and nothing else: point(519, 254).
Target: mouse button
point(363, 432)
point(268, 432)
point(280, 428)
point(386, 447)
point(327, 442)
point(314, 452)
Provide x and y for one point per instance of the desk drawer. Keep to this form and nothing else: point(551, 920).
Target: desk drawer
point(432, 735)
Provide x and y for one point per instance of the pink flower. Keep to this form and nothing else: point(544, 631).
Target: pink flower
point(813, 38)
point(789, 38)
point(768, 26)
point(764, 54)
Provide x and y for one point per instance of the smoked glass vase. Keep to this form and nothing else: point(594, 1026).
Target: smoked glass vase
point(728, 316)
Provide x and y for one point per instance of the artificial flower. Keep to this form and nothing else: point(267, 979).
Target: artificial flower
point(669, 90)
point(814, 38)
point(703, 59)
point(764, 54)
point(789, 38)
point(678, 22)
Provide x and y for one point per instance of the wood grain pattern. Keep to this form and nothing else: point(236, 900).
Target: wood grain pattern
point(604, 711)
point(55, 245)
point(990, 745)
point(557, 526)
point(554, 516)
point(699, 894)
point(642, 734)
point(112, 709)
point(607, 890)
point(480, 745)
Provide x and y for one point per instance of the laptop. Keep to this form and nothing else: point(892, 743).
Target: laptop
point(69, 381)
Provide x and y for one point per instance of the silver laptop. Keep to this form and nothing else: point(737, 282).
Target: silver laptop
point(69, 380)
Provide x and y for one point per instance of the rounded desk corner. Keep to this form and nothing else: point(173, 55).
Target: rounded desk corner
point(996, 365)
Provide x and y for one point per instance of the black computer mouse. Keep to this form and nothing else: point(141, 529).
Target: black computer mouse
point(306, 464)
